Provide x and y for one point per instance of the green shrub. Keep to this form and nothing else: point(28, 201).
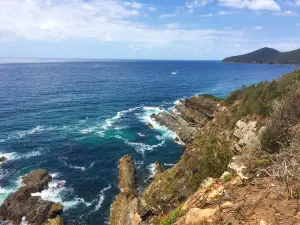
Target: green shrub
point(174, 215)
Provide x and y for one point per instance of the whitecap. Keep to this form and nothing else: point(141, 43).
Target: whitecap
point(82, 168)
point(101, 198)
point(141, 135)
point(24, 133)
point(109, 122)
point(141, 147)
point(16, 156)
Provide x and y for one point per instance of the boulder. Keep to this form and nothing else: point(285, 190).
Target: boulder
point(200, 216)
point(56, 221)
point(3, 159)
point(22, 204)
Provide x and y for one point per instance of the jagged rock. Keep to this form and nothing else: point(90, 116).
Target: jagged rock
point(127, 172)
point(188, 116)
point(209, 191)
point(200, 216)
point(3, 159)
point(37, 180)
point(238, 165)
point(247, 134)
point(124, 208)
point(22, 205)
point(56, 221)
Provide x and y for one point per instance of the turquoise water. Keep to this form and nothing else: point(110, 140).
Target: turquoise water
point(77, 119)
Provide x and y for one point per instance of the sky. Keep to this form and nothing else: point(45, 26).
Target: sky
point(146, 29)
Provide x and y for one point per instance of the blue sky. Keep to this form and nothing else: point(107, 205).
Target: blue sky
point(146, 29)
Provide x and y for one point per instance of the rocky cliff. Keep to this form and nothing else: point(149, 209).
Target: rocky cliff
point(22, 206)
point(239, 165)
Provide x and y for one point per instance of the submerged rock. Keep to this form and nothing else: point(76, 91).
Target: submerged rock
point(22, 204)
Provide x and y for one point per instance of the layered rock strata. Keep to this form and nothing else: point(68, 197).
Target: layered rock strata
point(188, 116)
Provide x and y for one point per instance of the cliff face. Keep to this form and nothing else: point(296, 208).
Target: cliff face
point(22, 206)
point(232, 170)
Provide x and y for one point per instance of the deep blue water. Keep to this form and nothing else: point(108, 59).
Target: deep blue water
point(77, 119)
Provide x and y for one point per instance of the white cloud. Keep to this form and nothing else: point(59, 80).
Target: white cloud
point(164, 16)
point(196, 3)
point(258, 28)
point(152, 9)
point(224, 13)
point(172, 25)
point(135, 5)
point(206, 15)
point(103, 20)
point(286, 13)
point(251, 4)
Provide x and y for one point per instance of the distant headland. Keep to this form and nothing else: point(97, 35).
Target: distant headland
point(267, 56)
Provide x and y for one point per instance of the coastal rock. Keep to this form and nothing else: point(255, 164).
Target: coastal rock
point(56, 221)
point(22, 204)
point(3, 159)
point(124, 208)
point(188, 116)
point(37, 180)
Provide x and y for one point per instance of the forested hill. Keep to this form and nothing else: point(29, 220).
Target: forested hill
point(268, 56)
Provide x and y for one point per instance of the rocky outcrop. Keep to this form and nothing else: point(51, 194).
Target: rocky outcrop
point(22, 205)
point(188, 116)
point(123, 208)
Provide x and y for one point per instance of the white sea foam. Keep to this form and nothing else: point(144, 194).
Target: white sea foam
point(57, 191)
point(141, 135)
point(169, 164)
point(24, 133)
point(151, 169)
point(101, 198)
point(16, 156)
point(141, 147)
point(108, 123)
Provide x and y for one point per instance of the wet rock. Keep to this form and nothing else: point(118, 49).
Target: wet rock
point(3, 159)
point(22, 205)
point(188, 116)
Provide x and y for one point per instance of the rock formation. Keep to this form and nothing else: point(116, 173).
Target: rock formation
point(22, 205)
point(121, 207)
point(188, 116)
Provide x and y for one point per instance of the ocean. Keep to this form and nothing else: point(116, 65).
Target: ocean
point(77, 119)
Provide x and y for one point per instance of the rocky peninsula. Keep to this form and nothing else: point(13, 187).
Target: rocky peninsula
point(240, 163)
